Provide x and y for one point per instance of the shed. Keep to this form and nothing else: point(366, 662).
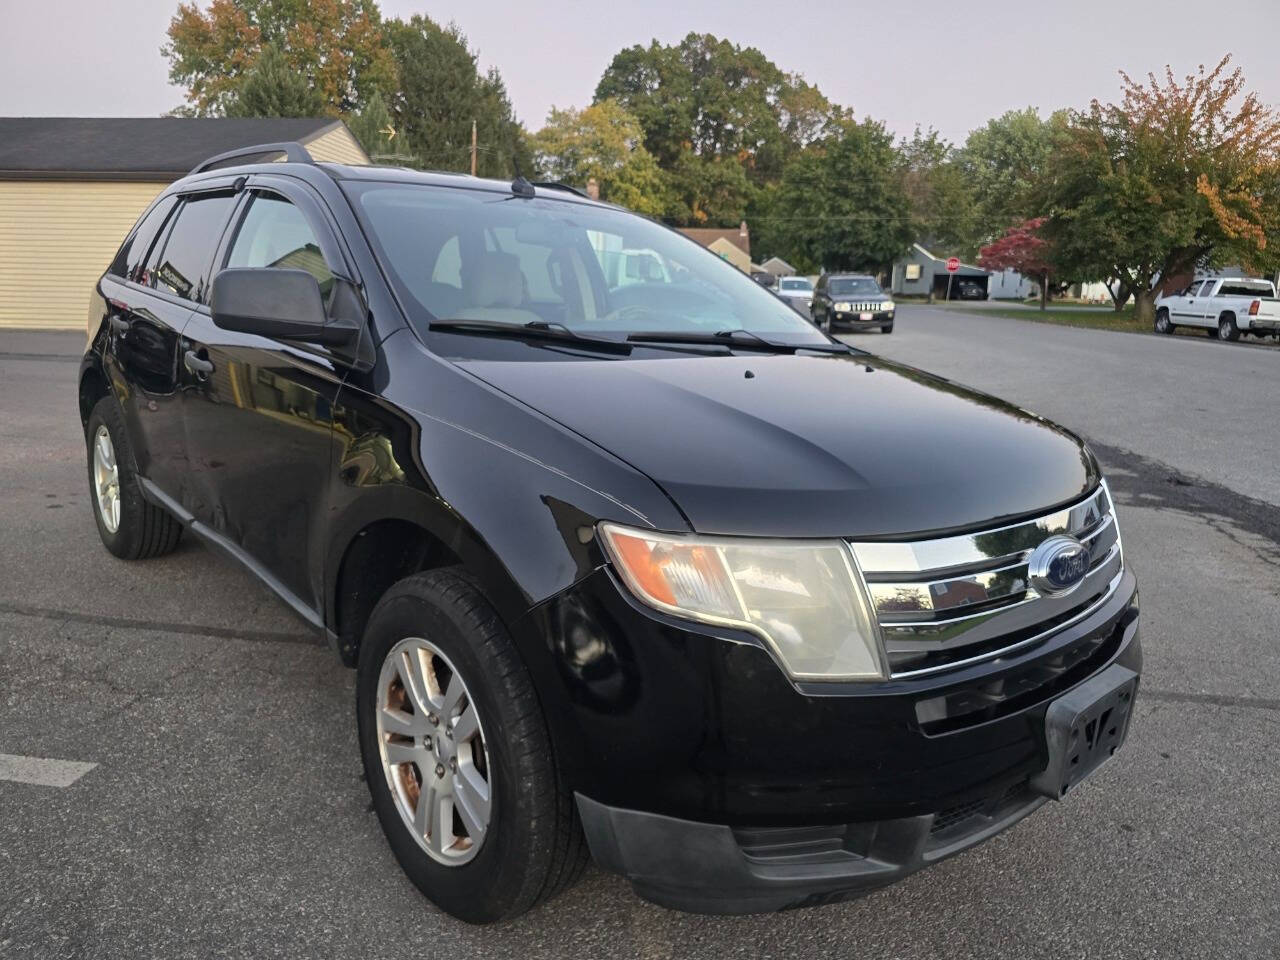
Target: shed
point(72, 187)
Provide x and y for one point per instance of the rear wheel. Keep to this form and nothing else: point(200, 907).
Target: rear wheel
point(1227, 329)
point(130, 526)
point(1163, 324)
point(457, 754)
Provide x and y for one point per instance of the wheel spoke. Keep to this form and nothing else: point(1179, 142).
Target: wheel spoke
point(471, 795)
point(399, 722)
point(410, 669)
point(467, 725)
point(453, 696)
point(398, 753)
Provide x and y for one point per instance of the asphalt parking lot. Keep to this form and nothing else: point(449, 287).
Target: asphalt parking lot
point(223, 814)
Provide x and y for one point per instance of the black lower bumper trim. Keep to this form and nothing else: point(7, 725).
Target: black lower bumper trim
point(711, 868)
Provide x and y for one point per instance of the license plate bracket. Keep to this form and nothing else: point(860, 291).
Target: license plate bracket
point(1084, 728)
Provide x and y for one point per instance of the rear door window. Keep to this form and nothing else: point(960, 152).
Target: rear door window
point(129, 261)
point(182, 267)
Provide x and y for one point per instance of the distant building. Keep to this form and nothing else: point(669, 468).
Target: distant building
point(920, 272)
point(72, 187)
point(778, 267)
point(732, 244)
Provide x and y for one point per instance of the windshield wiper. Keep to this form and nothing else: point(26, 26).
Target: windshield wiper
point(735, 337)
point(533, 330)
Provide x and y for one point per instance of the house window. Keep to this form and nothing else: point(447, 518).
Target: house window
point(913, 271)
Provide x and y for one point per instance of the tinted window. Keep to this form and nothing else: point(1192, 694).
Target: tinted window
point(274, 233)
point(1245, 288)
point(1206, 288)
point(182, 267)
point(796, 283)
point(854, 287)
point(128, 262)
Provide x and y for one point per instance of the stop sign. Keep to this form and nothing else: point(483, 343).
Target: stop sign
point(953, 264)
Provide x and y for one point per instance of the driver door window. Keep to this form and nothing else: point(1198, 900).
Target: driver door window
point(274, 233)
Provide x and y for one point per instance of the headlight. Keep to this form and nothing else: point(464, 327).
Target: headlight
point(804, 598)
point(842, 306)
point(887, 305)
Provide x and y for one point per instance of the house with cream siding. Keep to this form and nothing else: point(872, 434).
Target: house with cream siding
point(71, 187)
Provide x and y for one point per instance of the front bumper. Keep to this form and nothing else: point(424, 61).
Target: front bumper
point(853, 320)
point(716, 785)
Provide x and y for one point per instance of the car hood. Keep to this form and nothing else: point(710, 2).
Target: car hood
point(809, 445)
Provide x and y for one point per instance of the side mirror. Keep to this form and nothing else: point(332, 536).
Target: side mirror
point(284, 304)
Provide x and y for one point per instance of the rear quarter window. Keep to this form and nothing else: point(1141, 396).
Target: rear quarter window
point(133, 254)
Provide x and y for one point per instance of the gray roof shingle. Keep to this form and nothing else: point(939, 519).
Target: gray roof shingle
point(134, 148)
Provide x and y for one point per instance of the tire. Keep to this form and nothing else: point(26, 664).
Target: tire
point(1227, 329)
point(531, 846)
point(1163, 324)
point(1213, 333)
point(141, 529)
point(887, 328)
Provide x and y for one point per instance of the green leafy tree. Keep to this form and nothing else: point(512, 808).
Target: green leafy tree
point(441, 93)
point(1003, 163)
point(374, 128)
point(603, 143)
point(336, 47)
point(939, 193)
point(841, 204)
point(722, 120)
point(272, 88)
point(1175, 175)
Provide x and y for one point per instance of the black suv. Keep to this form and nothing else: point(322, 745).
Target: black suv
point(611, 579)
point(851, 300)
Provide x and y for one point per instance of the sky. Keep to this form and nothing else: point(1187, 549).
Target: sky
point(947, 65)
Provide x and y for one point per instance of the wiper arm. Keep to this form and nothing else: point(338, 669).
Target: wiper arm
point(735, 336)
point(534, 329)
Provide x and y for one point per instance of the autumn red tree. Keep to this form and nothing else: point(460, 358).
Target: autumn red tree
point(1023, 249)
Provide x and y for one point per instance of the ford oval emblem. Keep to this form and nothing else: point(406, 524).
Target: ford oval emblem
point(1058, 565)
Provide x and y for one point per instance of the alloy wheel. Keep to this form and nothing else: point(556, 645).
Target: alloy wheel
point(433, 751)
point(106, 479)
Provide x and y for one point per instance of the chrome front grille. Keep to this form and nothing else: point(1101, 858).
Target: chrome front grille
point(955, 600)
point(869, 307)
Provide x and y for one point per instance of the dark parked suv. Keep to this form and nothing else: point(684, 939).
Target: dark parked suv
point(851, 300)
point(611, 579)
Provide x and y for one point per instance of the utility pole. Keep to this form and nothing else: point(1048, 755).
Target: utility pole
point(473, 148)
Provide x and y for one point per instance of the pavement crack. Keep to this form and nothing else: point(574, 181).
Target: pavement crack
point(1212, 699)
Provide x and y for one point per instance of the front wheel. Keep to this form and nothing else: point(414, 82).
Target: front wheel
point(887, 328)
point(1227, 329)
point(457, 753)
point(1163, 325)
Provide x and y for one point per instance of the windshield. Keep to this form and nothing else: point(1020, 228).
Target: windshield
point(796, 283)
point(471, 255)
point(853, 287)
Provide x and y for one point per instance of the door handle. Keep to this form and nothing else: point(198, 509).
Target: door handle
point(196, 364)
point(119, 325)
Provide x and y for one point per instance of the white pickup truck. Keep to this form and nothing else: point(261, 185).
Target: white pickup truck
point(1226, 306)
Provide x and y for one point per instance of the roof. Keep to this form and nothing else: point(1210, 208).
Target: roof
point(135, 148)
point(779, 263)
point(709, 235)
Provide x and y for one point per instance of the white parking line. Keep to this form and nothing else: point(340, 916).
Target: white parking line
point(42, 772)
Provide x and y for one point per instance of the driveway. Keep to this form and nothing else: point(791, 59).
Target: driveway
point(217, 807)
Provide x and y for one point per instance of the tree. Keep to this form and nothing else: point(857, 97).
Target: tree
point(1175, 175)
point(441, 92)
point(1023, 249)
point(941, 199)
point(602, 142)
point(1003, 163)
point(722, 120)
point(373, 127)
point(336, 46)
point(271, 88)
point(841, 203)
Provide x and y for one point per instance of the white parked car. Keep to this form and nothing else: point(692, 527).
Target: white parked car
point(797, 291)
point(1225, 306)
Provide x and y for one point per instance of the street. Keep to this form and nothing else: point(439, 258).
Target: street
point(225, 815)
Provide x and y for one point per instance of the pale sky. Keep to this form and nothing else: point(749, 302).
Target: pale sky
point(949, 65)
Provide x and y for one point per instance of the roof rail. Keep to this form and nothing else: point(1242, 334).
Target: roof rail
point(558, 185)
point(293, 152)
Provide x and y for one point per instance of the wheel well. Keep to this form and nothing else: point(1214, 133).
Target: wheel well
point(378, 557)
point(93, 387)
